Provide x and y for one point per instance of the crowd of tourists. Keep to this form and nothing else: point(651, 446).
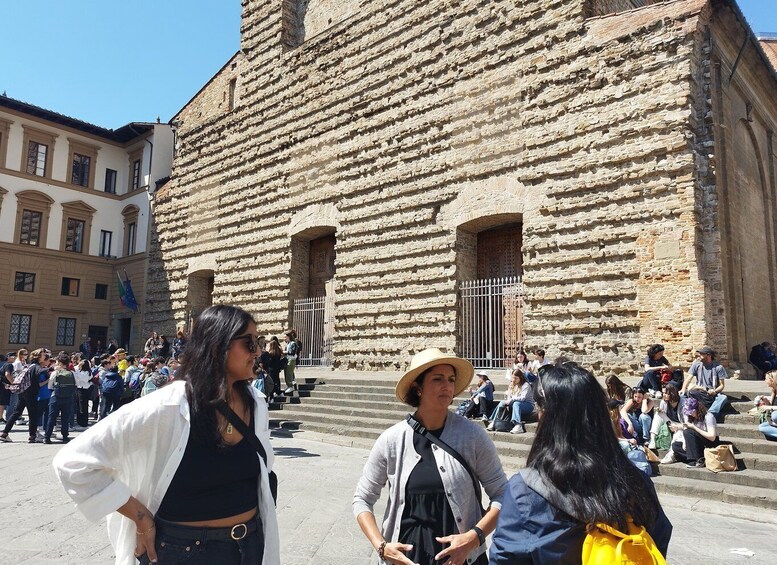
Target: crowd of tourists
point(197, 482)
point(66, 390)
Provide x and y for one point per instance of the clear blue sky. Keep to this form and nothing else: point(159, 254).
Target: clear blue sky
point(110, 62)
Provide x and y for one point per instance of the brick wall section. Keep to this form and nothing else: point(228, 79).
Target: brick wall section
point(394, 113)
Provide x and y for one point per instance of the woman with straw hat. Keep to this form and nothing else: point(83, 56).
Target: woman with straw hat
point(434, 462)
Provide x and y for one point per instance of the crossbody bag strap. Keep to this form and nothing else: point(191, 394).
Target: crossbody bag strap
point(241, 426)
point(419, 429)
point(249, 434)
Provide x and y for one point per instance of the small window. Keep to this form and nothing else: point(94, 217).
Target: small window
point(232, 90)
point(101, 291)
point(110, 181)
point(66, 331)
point(70, 286)
point(74, 237)
point(105, 243)
point(81, 165)
point(36, 159)
point(24, 282)
point(131, 238)
point(135, 174)
point(20, 329)
point(30, 228)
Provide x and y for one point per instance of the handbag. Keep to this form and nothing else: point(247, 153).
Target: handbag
point(419, 429)
point(720, 458)
point(236, 421)
point(664, 437)
point(502, 421)
point(651, 457)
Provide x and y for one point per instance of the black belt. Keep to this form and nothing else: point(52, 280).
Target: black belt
point(198, 533)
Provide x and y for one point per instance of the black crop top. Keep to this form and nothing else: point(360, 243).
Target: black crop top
point(212, 482)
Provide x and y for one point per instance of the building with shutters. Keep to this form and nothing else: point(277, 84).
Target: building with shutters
point(586, 176)
point(74, 212)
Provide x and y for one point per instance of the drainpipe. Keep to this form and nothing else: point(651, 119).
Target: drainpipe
point(150, 156)
point(148, 234)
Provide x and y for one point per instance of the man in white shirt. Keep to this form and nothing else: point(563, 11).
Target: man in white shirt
point(538, 361)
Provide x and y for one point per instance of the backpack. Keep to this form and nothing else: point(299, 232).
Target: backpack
point(134, 380)
point(604, 545)
point(64, 384)
point(299, 347)
point(21, 380)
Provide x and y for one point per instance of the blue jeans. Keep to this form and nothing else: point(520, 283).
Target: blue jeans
point(769, 431)
point(108, 403)
point(521, 407)
point(641, 426)
point(59, 407)
point(718, 404)
point(179, 544)
point(43, 410)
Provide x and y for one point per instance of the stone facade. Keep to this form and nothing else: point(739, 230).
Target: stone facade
point(407, 128)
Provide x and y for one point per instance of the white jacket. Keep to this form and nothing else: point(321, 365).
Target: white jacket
point(136, 451)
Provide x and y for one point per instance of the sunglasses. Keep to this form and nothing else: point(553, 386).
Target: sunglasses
point(250, 341)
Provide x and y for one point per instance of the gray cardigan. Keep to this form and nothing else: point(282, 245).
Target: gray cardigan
point(393, 458)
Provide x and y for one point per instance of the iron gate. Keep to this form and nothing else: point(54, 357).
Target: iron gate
point(491, 321)
point(314, 321)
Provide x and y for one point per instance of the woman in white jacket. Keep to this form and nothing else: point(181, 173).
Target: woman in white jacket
point(174, 476)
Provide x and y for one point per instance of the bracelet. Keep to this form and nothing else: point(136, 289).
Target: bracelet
point(481, 535)
point(148, 531)
point(381, 548)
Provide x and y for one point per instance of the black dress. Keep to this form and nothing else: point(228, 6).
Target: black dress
point(427, 514)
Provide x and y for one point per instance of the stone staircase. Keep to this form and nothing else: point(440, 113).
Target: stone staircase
point(358, 408)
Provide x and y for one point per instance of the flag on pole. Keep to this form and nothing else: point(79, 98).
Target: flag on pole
point(126, 296)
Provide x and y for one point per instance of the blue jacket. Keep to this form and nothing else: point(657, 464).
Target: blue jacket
point(111, 383)
point(532, 531)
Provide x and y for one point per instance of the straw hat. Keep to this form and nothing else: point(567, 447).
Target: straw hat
point(429, 358)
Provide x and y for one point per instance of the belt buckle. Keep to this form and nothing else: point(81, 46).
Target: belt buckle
point(236, 537)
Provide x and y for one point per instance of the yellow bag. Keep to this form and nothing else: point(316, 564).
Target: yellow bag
point(604, 545)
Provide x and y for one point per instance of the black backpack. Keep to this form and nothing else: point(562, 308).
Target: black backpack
point(299, 347)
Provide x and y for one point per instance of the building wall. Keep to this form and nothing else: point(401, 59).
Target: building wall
point(745, 110)
point(49, 262)
point(416, 125)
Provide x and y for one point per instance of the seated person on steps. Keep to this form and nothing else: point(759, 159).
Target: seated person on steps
point(638, 413)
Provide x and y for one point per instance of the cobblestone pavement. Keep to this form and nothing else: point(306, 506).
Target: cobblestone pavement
point(317, 479)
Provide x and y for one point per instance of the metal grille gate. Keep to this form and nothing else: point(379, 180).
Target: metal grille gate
point(491, 321)
point(314, 321)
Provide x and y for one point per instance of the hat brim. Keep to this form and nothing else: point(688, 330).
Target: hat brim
point(463, 369)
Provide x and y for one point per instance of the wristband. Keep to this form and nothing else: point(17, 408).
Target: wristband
point(381, 549)
point(481, 535)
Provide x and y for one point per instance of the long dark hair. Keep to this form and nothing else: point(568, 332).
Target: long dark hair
point(575, 451)
point(203, 367)
point(616, 388)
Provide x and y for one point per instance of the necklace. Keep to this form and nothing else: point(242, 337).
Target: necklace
point(229, 428)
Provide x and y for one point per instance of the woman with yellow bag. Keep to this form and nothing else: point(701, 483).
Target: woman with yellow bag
point(578, 492)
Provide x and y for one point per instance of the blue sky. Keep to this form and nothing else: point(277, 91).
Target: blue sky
point(110, 62)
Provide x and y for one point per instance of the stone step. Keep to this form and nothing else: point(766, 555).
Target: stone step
point(756, 453)
point(376, 409)
point(754, 497)
point(361, 411)
point(746, 477)
point(693, 482)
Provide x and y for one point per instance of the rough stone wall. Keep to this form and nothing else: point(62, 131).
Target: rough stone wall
point(740, 210)
point(580, 127)
point(604, 7)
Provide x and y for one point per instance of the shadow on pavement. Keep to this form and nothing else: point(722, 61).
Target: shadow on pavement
point(293, 452)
